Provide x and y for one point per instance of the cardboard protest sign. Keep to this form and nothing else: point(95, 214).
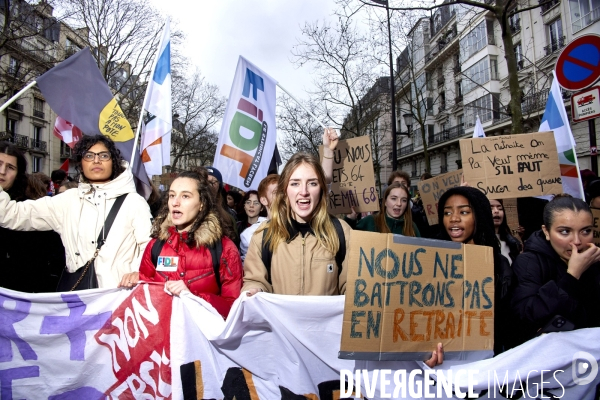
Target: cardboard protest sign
point(353, 177)
point(512, 166)
point(432, 189)
point(405, 294)
point(596, 215)
point(511, 215)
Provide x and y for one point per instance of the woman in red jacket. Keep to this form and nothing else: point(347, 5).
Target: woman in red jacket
point(187, 227)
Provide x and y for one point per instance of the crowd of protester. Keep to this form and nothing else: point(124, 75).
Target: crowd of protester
point(218, 243)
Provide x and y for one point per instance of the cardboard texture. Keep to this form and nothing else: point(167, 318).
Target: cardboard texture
point(512, 166)
point(432, 189)
point(353, 177)
point(596, 214)
point(511, 215)
point(404, 295)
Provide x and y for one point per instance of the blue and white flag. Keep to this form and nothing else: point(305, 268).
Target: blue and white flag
point(478, 132)
point(555, 119)
point(157, 125)
point(248, 135)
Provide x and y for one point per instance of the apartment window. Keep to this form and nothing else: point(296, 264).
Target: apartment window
point(555, 36)
point(486, 107)
point(37, 133)
point(519, 55)
point(584, 13)
point(477, 39)
point(13, 66)
point(11, 125)
point(442, 105)
point(38, 107)
point(460, 120)
point(443, 163)
point(514, 21)
point(36, 165)
point(493, 69)
point(476, 75)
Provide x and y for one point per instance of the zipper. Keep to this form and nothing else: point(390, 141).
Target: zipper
point(199, 277)
point(224, 261)
point(302, 269)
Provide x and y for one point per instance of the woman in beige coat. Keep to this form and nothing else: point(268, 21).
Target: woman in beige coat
point(301, 237)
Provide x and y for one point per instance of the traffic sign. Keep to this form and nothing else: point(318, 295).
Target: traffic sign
point(578, 65)
point(586, 104)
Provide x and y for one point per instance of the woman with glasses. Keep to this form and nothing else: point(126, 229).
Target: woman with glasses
point(253, 210)
point(79, 215)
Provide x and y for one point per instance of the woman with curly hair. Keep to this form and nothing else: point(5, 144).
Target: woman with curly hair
point(79, 215)
point(185, 230)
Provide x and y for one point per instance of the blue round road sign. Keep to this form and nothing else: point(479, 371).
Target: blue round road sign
point(578, 65)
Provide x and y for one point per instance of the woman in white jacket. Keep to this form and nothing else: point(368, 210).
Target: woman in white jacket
point(78, 215)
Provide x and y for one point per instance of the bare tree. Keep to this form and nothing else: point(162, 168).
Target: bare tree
point(198, 107)
point(302, 132)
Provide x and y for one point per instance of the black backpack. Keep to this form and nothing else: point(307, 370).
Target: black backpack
point(267, 254)
point(215, 253)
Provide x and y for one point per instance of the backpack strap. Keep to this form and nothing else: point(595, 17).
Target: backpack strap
point(114, 210)
point(215, 253)
point(266, 255)
point(156, 249)
point(340, 256)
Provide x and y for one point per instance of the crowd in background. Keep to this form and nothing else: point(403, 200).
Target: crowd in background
point(218, 242)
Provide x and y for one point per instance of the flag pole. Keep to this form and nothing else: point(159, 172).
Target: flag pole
point(302, 105)
point(139, 125)
point(16, 96)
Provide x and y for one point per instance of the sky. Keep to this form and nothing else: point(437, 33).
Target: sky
point(263, 31)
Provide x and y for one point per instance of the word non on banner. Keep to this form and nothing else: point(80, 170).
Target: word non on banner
point(512, 166)
point(353, 182)
point(404, 295)
point(432, 189)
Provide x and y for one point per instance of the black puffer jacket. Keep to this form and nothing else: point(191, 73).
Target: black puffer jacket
point(545, 289)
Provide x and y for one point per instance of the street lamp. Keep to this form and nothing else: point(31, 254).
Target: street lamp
point(392, 87)
point(408, 121)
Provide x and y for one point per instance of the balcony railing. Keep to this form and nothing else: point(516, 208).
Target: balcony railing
point(448, 134)
point(547, 6)
point(586, 20)
point(406, 150)
point(535, 101)
point(38, 114)
point(18, 140)
point(555, 46)
point(38, 145)
point(16, 106)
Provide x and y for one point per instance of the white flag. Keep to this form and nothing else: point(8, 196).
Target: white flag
point(478, 132)
point(248, 135)
point(555, 119)
point(156, 129)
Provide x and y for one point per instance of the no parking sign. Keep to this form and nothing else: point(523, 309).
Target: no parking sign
point(578, 65)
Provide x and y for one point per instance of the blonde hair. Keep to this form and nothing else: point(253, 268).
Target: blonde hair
point(281, 218)
point(381, 224)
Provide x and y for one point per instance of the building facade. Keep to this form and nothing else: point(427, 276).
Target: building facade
point(454, 70)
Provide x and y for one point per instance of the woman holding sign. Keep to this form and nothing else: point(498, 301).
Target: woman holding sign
point(302, 249)
point(394, 214)
point(466, 217)
point(558, 273)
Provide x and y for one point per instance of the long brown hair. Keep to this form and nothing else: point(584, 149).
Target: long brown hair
point(281, 211)
point(380, 222)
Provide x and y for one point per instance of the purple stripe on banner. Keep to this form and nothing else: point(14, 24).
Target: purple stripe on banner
point(8, 317)
point(248, 107)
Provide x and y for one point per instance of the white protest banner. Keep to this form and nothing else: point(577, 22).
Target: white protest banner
point(512, 166)
point(353, 183)
point(145, 344)
point(248, 135)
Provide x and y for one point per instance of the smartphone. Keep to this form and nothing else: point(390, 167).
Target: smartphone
point(557, 324)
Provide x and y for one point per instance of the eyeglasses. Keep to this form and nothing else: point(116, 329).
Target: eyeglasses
point(251, 203)
point(91, 156)
point(214, 183)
